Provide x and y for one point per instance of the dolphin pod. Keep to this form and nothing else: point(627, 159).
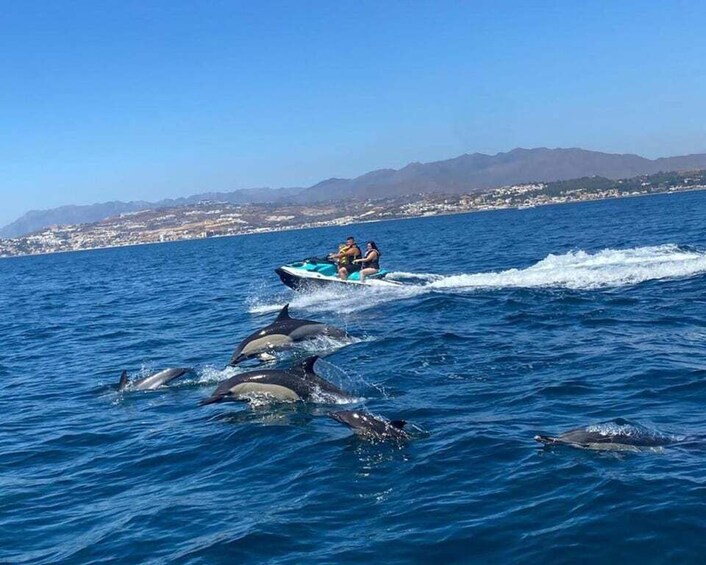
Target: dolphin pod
point(153, 381)
point(298, 383)
point(280, 334)
point(301, 383)
point(612, 435)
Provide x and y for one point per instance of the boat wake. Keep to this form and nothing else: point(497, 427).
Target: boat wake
point(579, 270)
point(576, 270)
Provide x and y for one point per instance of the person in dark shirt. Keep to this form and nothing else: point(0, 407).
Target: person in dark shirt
point(370, 262)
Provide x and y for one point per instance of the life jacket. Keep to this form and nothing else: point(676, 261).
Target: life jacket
point(373, 263)
point(346, 259)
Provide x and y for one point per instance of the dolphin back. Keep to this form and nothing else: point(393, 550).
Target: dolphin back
point(303, 329)
point(283, 314)
point(122, 383)
point(618, 432)
point(369, 425)
point(306, 370)
point(154, 380)
point(266, 378)
point(281, 333)
point(303, 383)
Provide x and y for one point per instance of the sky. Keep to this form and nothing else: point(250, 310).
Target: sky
point(148, 99)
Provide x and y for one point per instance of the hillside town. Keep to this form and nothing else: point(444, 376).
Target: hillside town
point(216, 219)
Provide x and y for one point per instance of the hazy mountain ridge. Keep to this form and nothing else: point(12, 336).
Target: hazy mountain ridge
point(466, 173)
point(474, 172)
point(82, 214)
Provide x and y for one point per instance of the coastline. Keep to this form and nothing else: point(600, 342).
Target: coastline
point(336, 222)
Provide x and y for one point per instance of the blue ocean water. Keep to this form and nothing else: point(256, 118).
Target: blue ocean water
point(514, 323)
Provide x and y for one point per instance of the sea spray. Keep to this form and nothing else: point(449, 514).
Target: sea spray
point(575, 270)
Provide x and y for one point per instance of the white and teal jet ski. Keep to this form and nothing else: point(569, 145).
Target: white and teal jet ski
point(316, 273)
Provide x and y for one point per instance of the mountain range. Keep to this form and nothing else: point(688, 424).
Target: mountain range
point(467, 173)
point(38, 219)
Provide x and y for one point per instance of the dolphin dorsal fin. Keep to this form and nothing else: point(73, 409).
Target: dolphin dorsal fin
point(283, 314)
point(122, 383)
point(307, 366)
point(399, 424)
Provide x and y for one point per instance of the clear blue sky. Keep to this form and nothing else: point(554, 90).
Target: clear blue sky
point(103, 100)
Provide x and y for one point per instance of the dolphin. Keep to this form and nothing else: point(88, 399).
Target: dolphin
point(153, 381)
point(366, 425)
point(298, 383)
point(281, 333)
point(618, 434)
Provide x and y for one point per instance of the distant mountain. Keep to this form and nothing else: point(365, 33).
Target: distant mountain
point(39, 219)
point(464, 174)
point(476, 172)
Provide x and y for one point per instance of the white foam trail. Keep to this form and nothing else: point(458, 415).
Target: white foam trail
point(404, 276)
point(337, 299)
point(576, 270)
point(257, 307)
point(351, 300)
point(580, 270)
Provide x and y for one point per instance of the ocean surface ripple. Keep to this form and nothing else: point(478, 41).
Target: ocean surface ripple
point(513, 323)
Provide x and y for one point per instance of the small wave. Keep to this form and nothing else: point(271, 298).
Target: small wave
point(624, 428)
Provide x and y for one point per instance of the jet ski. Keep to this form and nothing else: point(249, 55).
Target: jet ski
point(316, 272)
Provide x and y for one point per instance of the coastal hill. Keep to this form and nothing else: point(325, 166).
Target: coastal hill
point(66, 215)
point(476, 172)
point(467, 174)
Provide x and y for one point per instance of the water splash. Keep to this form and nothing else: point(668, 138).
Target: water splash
point(575, 270)
point(320, 396)
point(580, 270)
point(256, 306)
point(404, 276)
point(324, 345)
point(213, 375)
point(621, 428)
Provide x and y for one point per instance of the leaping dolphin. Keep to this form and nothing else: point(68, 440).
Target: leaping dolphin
point(615, 434)
point(366, 425)
point(153, 381)
point(281, 333)
point(298, 383)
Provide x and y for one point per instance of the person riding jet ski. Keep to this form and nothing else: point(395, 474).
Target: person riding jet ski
point(346, 258)
point(370, 263)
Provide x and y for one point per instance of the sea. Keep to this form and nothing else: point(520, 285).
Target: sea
point(512, 323)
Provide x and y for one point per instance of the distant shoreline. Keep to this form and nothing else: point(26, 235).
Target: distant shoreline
point(362, 222)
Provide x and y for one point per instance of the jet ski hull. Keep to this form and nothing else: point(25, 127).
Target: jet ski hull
point(298, 278)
